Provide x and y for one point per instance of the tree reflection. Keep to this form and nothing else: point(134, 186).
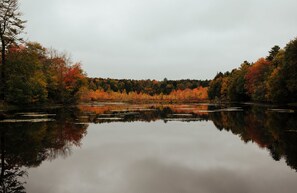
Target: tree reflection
point(145, 113)
point(25, 145)
point(10, 174)
point(274, 131)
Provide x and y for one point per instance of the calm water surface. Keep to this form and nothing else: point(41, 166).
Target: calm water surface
point(119, 148)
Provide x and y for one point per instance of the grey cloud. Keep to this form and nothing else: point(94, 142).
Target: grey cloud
point(157, 39)
point(154, 176)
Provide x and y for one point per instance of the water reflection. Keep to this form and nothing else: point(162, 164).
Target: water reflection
point(30, 138)
point(26, 144)
point(10, 173)
point(268, 126)
point(146, 113)
point(275, 131)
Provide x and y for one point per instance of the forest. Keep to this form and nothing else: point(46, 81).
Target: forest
point(128, 90)
point(33, 74)
point(36, 75)
point(271, 79)
point(151, 87)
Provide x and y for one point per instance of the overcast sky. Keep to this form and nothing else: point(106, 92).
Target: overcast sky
point(154, 39)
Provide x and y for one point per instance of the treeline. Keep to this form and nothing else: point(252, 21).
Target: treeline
point(100, 89)
point(36, 75)
point(149, 87)
point(270, 79)
point(188, 95)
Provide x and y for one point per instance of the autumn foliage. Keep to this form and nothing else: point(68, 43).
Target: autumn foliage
point(255, 79)
point(270, 79)
point(197, 94)
point(36, 75)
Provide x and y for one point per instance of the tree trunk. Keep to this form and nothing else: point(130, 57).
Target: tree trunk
point(2, 79)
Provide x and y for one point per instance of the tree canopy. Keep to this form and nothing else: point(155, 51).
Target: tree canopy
point(269, 79)
point(11, 25)
point(35, 75)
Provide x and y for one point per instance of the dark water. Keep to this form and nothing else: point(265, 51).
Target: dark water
point(120, 148)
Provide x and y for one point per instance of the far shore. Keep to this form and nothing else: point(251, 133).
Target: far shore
point(12, 107)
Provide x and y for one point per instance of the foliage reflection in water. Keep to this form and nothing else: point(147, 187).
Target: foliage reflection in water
point(26, 144)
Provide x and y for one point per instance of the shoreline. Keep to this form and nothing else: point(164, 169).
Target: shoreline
point(11, 107)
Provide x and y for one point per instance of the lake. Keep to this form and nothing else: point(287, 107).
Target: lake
point(151, 148)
